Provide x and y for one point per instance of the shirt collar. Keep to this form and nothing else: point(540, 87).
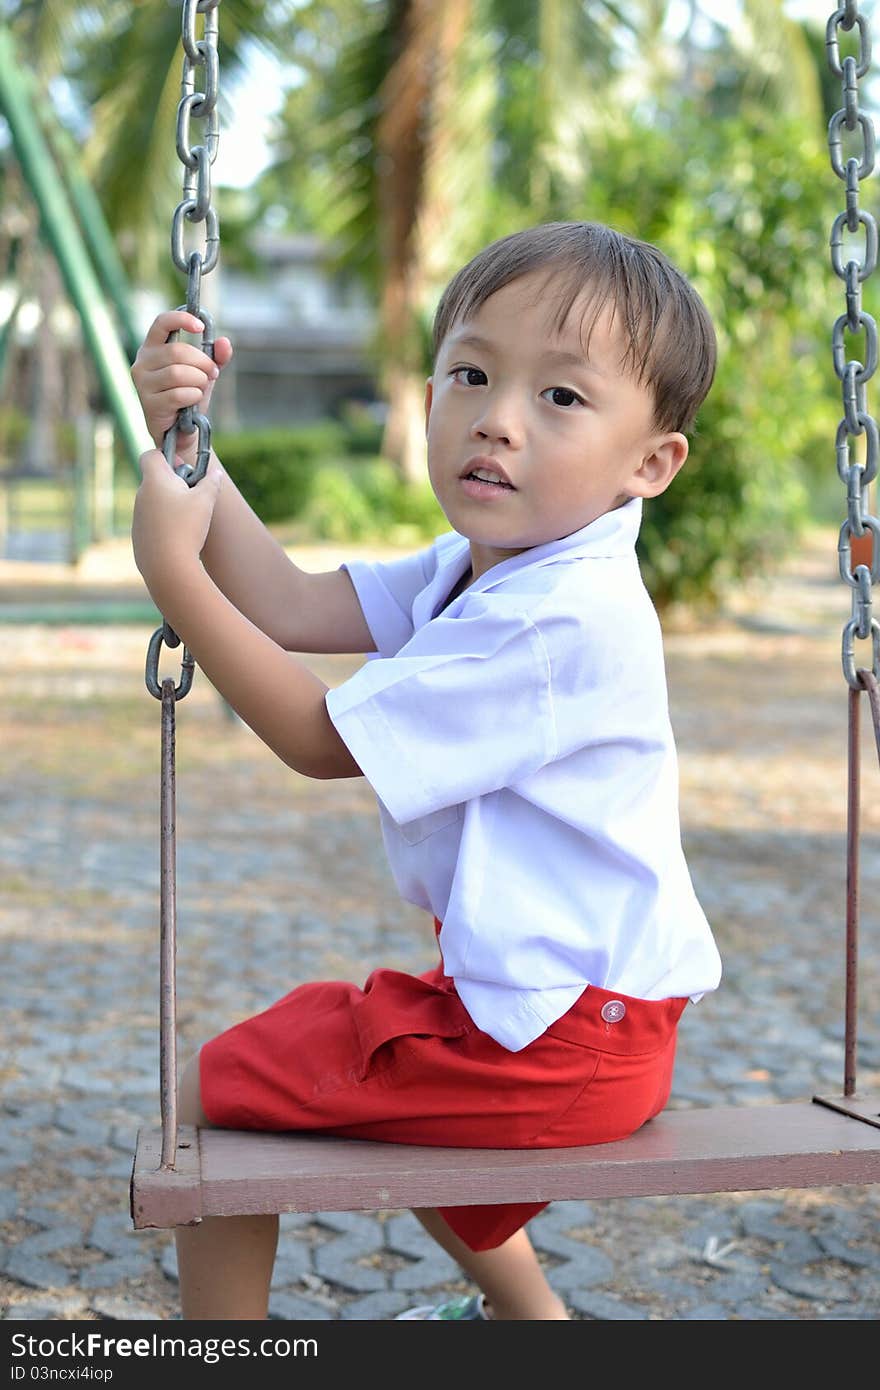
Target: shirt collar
point(612, 534)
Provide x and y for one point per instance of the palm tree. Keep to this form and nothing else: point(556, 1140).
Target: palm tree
point(124, 64)
point(427, 130)
point(415, 97)
point(421, 130)
point(115, 70)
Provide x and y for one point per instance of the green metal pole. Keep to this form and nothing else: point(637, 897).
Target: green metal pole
point(93, 225)
point(62, 233)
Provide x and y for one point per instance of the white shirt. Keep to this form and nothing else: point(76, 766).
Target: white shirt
point(520, 747)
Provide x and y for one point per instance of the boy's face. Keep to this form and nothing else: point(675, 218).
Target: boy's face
point(570, 438)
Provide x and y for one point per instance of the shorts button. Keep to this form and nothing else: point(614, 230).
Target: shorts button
point(613, 1011)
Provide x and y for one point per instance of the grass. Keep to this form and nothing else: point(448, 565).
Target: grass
point(39, 504)
point(33, 503)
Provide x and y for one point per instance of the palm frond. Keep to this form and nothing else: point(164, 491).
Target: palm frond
point(130, 73)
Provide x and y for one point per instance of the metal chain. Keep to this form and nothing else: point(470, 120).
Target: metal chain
point(855, 375)
point(195, 206)
point(196, 203)
point(860, 531)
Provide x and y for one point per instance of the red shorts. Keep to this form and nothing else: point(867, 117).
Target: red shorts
point(402, 1061)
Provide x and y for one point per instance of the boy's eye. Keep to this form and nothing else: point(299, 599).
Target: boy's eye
point(563, 395)
point(470, 373)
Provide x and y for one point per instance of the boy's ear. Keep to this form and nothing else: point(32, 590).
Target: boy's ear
point(429, 397)
point(659, 466)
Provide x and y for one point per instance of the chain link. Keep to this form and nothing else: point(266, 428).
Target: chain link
point(199, 92)
point(854, 375)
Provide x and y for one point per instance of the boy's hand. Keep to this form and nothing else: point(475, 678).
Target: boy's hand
point(171, 520)
point(169, 376)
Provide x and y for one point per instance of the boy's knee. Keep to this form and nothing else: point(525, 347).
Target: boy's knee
point(189, 1096)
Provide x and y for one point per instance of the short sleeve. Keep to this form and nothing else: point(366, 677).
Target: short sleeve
point(463, 709)
point(386, 592)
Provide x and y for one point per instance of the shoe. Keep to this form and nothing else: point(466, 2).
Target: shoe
point(465, 1308)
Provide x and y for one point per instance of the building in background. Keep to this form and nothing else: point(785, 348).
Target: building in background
point(302, 335)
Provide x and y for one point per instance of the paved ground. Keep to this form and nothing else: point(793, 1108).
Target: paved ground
point(282, 880)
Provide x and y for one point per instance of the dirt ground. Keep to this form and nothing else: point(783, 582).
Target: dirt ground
point(758, 703)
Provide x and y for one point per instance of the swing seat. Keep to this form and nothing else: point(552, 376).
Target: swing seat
point(222, 1172)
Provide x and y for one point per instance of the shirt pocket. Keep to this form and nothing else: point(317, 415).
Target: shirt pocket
point(415, 831)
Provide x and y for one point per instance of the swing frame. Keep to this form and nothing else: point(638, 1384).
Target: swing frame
point(182, 1174)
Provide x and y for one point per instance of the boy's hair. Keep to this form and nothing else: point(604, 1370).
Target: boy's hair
point(671, 340)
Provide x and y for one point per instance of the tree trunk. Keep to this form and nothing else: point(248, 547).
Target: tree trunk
point(41, 454)
point(413, 98)
point(405, 425)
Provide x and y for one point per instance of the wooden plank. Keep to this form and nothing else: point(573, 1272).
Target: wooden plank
point(723, 1149)
point(160, 1197)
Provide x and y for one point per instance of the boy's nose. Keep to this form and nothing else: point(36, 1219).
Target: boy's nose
point(497, 424)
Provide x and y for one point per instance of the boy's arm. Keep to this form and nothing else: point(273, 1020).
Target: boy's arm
point(301, 612)
point(281, 700)
point(273, 692)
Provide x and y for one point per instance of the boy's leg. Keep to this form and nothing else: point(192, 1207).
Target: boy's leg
point(509, 1276)
point(225, 1262)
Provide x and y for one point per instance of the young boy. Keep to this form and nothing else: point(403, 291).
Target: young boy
point(512, 720)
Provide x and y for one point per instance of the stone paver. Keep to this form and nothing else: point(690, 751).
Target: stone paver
point(282, 880)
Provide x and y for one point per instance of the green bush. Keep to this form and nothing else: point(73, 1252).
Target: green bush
point(275, 468)
point(744, 495)
point(716, 526)
point(321, 476)
point(742, 204)
point(363, 431)
point(338, 510)
point(14, 429)
point(367, 501)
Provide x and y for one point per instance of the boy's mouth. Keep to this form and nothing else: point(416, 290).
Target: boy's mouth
point(486, 470)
